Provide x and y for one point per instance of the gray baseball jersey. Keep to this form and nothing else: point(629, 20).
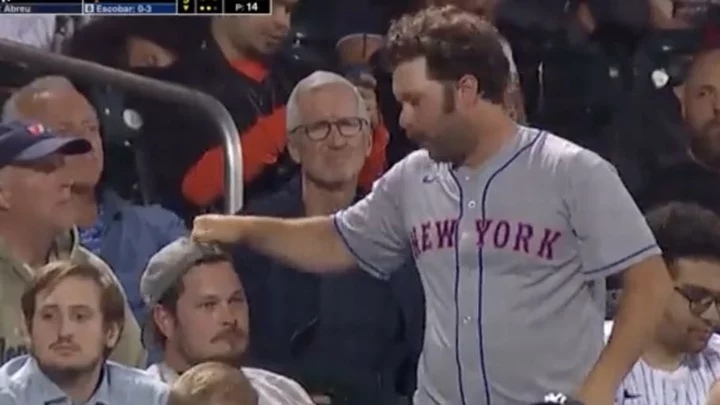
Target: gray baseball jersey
point(512, 258)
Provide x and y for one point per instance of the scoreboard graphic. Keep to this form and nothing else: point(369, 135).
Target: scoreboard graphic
point(136, 7)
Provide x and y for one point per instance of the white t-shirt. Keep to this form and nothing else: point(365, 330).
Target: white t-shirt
point(33, 30)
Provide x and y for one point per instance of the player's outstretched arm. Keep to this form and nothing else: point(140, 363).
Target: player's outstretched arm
point(309, 244)
point(713, 397)
point(634, 324)
point(614, 236)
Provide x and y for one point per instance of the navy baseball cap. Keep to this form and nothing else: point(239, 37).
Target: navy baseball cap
point(24, 142)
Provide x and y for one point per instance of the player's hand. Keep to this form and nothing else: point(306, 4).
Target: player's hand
point(713, 397)
point(217, 228)
point(592, 396)
point(560, 399)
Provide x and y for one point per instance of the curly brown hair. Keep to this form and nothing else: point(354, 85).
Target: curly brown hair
point(455, 43)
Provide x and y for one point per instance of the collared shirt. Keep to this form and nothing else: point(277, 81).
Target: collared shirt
point(22, 382)
point(91, 238)
point(271, 388)
point(126, 236)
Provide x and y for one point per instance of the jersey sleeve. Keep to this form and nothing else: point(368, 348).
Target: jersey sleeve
point(611, 231)
point(373, 228)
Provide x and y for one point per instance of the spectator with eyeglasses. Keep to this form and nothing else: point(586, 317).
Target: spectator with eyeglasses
point(327, 333)
point(682, 361)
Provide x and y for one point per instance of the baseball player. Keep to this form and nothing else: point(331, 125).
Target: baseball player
point(714, 394)
point(512, 228)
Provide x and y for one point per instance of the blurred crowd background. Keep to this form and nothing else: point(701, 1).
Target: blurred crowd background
point(620, 77)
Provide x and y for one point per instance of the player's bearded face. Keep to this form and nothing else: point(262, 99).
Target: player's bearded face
point(430, 114)
point(447, 141)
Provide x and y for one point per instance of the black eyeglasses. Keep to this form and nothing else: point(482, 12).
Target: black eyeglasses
point(318, 131)
point(699, 300)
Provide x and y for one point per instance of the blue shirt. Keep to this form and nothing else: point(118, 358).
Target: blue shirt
point(126, 236)
point(22, 382)
point(91, 238)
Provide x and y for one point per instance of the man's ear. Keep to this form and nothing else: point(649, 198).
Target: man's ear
point(681, 92)
point(4, 192)
point(4, 201)
point(368, 144)
point(164, 321)
point(293, 149)
point(112, 335)
point(466, 91)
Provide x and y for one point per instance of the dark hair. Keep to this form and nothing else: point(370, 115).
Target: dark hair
point(685, 231)
point(105, 39)
point(455, 43)
point(169, 300)
point(112, 300)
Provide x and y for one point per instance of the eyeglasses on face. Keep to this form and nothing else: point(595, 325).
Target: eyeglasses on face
point(699, 299)
point(320, 130)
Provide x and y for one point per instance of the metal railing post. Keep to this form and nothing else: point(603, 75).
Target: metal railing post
point(167, 92)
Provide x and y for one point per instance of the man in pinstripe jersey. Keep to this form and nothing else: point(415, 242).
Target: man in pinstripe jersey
point(682, 361)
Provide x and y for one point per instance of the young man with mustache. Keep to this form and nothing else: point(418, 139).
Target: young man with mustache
point(199, 313)
point(74, 314)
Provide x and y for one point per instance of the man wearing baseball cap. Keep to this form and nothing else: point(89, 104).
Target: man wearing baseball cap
point(37, 226)
point(199, 313)
point(28, 142)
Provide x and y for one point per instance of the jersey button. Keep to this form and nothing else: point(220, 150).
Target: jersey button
point(471, 204)
point(466, 320)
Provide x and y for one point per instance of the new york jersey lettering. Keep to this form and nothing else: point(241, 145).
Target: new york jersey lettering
point(496, 233)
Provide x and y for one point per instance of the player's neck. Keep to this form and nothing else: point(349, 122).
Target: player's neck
point(494, 131)
point(320, 200)
point(661, 357)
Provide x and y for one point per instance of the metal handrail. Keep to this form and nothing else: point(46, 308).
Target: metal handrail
point(163, 91)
